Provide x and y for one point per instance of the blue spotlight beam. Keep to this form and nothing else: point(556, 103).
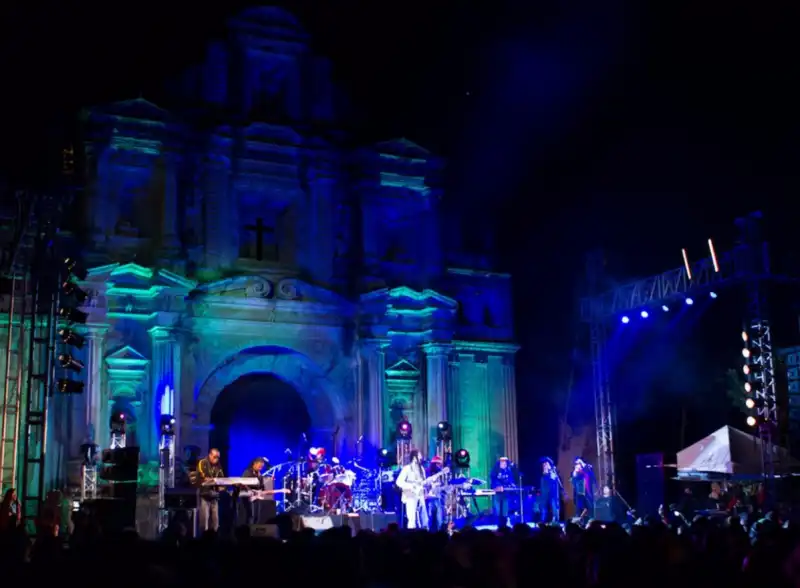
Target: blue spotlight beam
point(736, 266)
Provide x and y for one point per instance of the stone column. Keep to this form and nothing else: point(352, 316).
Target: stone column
point(436, 372)
point(510, 393)
point(169, 222)
point(216, 182)
point(166, 372)
point(95, 397)
point(376, 382)
point(453, 394)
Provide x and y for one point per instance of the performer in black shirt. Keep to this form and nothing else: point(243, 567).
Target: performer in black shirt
point(550, 492)
point(583, 488)
point(243, 494)
point(503, 480)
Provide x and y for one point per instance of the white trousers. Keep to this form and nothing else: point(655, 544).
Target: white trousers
point(416, 513)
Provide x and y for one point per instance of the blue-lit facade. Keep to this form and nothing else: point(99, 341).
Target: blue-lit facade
point(238, 232)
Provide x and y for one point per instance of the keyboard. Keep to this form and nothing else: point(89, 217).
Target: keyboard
point(231, 482)
point(479, 492)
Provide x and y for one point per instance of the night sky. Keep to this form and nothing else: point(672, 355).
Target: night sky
point(597, 124)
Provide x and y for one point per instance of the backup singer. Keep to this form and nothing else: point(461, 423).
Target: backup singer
point(583, 488)
point(207, 469)
point(412, 482)
point(550, 492)
point(503, 480)
point(434, 499)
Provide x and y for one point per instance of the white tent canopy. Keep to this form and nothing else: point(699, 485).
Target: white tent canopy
point(729, 451)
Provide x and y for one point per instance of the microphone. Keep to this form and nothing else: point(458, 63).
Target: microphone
point(287, 451)
point(360, 439)
point(304, 437)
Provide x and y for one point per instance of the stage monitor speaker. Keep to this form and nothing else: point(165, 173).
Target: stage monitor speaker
point(265, 531)
point(649, 483)
point(180, 498)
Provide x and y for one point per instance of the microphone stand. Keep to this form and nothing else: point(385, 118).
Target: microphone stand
point(562, 493)
point(521, 502)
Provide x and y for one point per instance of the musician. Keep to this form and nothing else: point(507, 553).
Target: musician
point(549, 492)
point(412, 482)
point(209, 468)
point(583, 488)
point(434, 497)
point(242, 494)
point(503, 479)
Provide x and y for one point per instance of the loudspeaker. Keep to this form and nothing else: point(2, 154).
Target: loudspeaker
point(649, 483)
point(270, 531)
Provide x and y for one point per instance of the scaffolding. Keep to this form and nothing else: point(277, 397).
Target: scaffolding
point(16, 273)
point(40, 370)
point(747, 263)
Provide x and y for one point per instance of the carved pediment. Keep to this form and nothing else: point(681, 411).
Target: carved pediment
point(403, 370)
point(260, 287)
point(127, 373)
point(405, 298)
point(137, 109)
point(131, 279)
point(402, 147)
point(126, 356)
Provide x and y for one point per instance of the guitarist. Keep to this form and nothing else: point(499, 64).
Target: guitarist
point(244, 493)
point(209, 468)
point(412, 482)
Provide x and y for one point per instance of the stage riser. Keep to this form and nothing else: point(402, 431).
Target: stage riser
point(363, 522)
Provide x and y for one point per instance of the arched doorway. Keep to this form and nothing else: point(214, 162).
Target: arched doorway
point(257, 415)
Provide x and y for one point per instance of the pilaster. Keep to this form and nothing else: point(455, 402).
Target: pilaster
point(95, 419)
point(169, 220)
point(165, 374)
point(436, 373)
point(376, 382)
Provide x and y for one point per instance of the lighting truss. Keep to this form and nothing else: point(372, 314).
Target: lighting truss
point(89, 482)
point(117, 440)
point(747, 263)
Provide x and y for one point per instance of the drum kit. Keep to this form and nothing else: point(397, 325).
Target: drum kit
point(317, 486)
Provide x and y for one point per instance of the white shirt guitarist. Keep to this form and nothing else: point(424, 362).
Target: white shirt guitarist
point(412, 482)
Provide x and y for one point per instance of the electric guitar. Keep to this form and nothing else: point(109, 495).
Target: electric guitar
point(417, 489)
point(265, 494)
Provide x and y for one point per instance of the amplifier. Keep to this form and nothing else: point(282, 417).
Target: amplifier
point(179, 498)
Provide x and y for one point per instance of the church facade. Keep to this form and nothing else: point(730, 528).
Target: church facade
point(242, 233)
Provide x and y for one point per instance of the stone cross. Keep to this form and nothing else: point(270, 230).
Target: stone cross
point(260, 229)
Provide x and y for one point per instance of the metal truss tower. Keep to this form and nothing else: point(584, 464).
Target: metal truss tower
point(16, 272)
point(760, 370)
point(41, 315)
point(746, 264)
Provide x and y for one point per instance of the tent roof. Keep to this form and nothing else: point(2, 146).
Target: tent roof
point(728, 451)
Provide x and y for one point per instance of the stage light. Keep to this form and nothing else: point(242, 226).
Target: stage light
point(444, 432)
point(72, 289)
point(645, 314)
point(748, 387)
point(746, 370)
point(689, 301)
point(746, 353)
point(70, 337)
point(384, 452)
point(750, 403)
point(117, 422)
point(66, 386)
point(73, 315)
point(625, 320)
point(713, 295)
point(70, 363)
point(665, 308)
point(462, 458)
point(745, 336)
point(74, 269)
point(751, 421)
point(404, 430)
point(167, 425)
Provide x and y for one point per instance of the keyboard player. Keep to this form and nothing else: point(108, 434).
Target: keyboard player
point(504, 482)
point(209, 468)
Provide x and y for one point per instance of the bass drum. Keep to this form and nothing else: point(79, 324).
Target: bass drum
point(336, 496)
